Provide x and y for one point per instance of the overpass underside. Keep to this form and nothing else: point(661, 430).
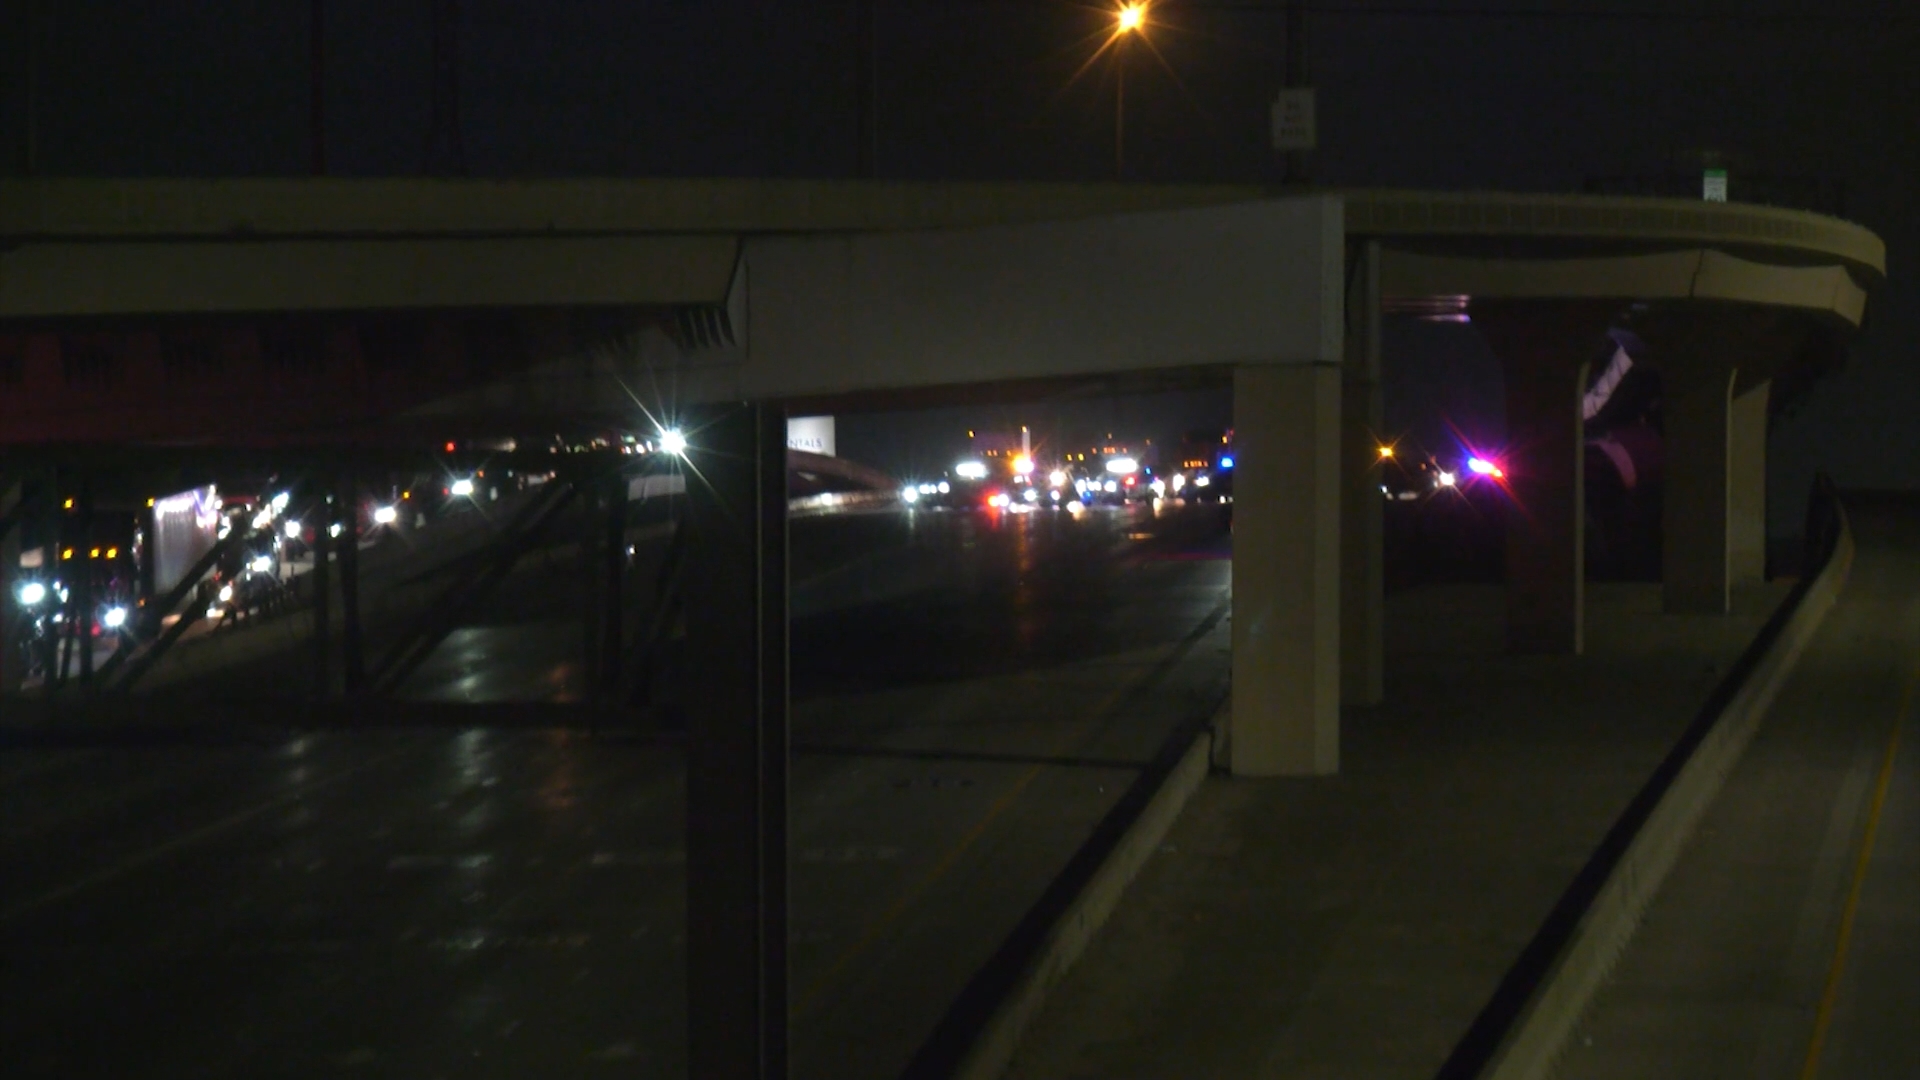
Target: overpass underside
point(722, 320)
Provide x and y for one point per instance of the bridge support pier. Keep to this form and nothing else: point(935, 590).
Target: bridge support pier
point(1544, 349)
point(613, 602)
point(735, 588)
point(603, 577)
point(13, 508)
point(1747, 495)
point(84, 602)
point(146, 610)
point(353, 659)
point(1714, 360)
point(1696, 408)
point(1286, 570)
point(1362, 542)
point(322, 579)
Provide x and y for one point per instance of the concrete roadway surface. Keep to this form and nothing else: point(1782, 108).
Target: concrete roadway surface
point(512, 903)
point(1786, 942)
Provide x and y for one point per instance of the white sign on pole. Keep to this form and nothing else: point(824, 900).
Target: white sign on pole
point(1713, 185)
point(813, 434)
point(1293, 119)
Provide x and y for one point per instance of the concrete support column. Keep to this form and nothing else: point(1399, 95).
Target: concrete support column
point(1286, 570)
point(737, 753)
point(1362, 544)
point(352, 653)
point(13, 617)
point(1696, 402)
point(322, 594)
point(1544, 349)
point(85, 569)
point(1747, 493)
point(592, 500)
point(148, 619)
point(1715, 362)
point(1704, 352)
point(614, 583)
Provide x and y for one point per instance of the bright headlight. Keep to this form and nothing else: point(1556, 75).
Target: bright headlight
point(462, 487)
point(115, 618)
point(263, 564)
point(385, 515)
point(910, 494)
point(32, 593)
point(293, 530)
point(1057, 478)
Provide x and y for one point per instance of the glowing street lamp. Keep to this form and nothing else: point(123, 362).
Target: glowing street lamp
point(1128, 20)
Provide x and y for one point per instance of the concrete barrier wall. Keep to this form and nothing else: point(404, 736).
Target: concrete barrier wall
point(992, 1051)
point(1533, 1044)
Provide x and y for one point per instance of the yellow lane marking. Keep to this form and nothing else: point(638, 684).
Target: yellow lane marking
point(1823, 1019)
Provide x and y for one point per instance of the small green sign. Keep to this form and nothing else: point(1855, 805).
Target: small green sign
point(1713, 185)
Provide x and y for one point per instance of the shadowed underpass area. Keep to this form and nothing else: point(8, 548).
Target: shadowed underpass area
point(512, 902)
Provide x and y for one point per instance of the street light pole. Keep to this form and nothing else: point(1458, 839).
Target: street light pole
point(1120, 110)
point(40, 19)
point(1129, 19)
point(867, 89)
point(317, 87)
point(1295, 162)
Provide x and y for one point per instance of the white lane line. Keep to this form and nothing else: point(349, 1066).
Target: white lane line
point(658, 857)
point(476, 940)
point(837, 855)
point(188, 839)
point(440, 862)
point(850, 853)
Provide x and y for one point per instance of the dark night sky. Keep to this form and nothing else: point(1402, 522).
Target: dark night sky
point(1477, 97)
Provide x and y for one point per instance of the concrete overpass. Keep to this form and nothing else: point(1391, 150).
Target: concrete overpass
point(818, 295)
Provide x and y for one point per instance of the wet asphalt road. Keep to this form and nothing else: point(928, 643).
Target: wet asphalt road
point(511, 903)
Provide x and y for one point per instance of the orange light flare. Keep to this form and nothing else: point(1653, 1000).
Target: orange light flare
point(1129, 20)
point(1121, 21)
